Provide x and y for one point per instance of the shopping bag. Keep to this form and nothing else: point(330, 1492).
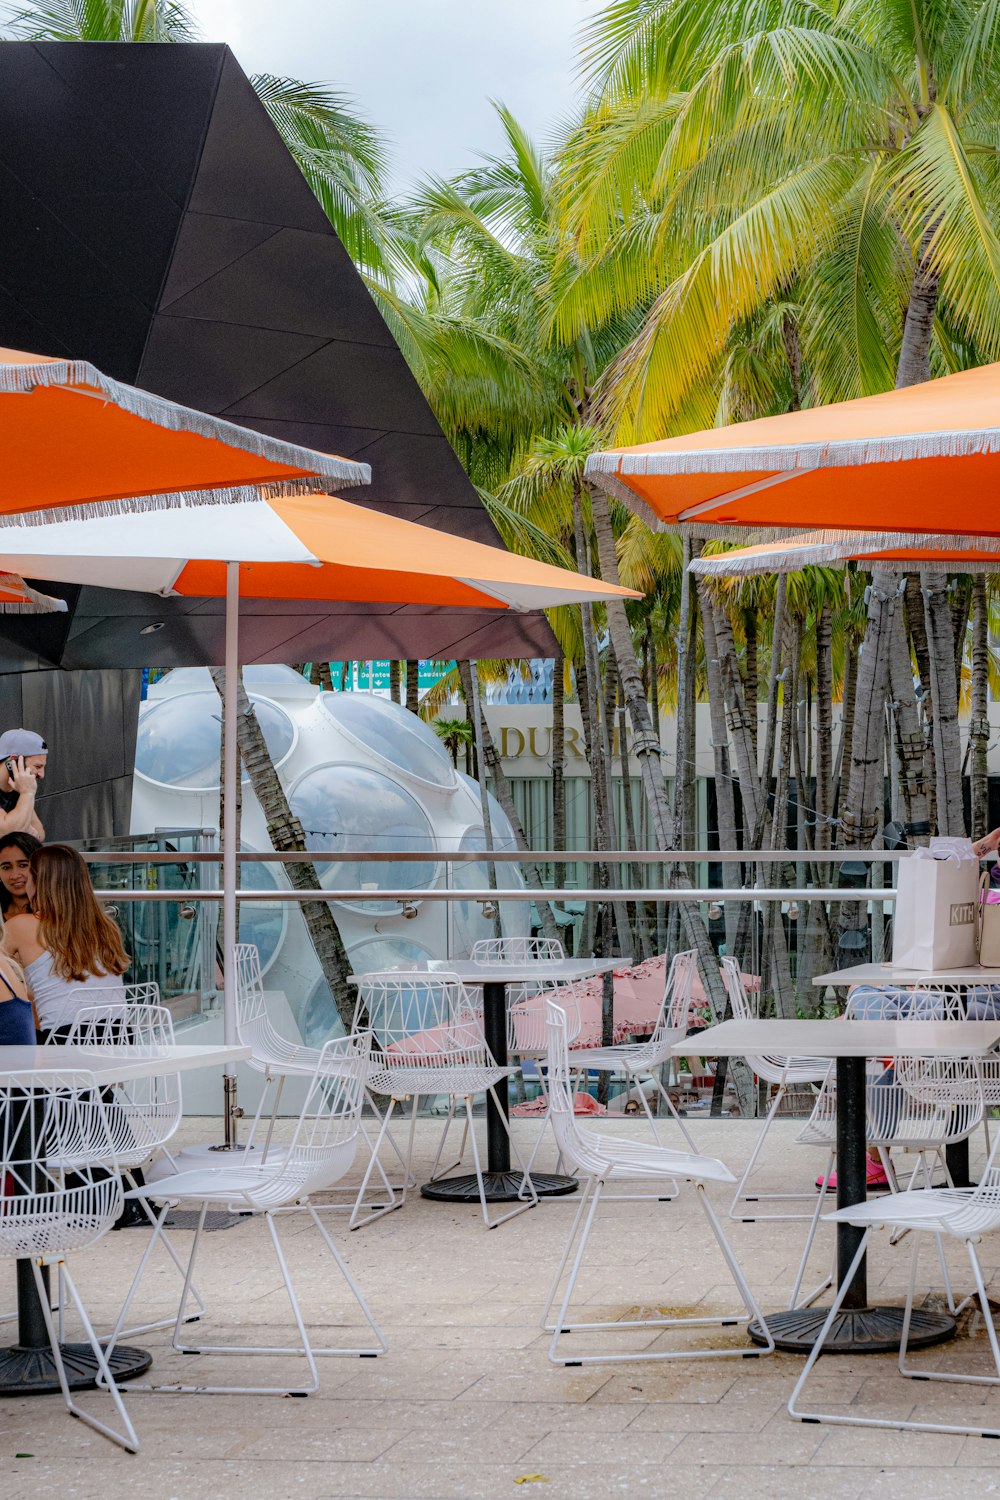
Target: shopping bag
point(935, 923)
point(989, 925)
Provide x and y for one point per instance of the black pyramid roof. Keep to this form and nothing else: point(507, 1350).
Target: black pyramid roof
point(155, 224)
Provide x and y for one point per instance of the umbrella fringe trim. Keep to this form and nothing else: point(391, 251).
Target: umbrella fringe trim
point(241, 494)
point(70, 374)
point(33, 602)
point(824, 550)
point(845, 453)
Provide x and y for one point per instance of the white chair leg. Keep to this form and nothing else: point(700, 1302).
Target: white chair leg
point(369, 1353)
point(395, 1200)
point(979, 1294)
point(588, 1224)
point(672, 1110)
point(127, 1333)
point(842, 1420)
point(137, 1278)
point(435, 1173)
point(127, 1439)
point(268, 1080)
point(273, 1117)
point(303, 1348)
point(751, 1313)
point(526, 1183)
point(581, 1206)
point(741, 1196)
point(796, 1300)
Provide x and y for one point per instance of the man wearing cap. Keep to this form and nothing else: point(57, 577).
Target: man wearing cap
point(23, 755)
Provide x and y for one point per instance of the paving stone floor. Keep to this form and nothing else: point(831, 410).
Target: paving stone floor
point(466, 1403)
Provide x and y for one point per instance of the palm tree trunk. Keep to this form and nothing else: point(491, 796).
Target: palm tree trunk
point(687, 646)
point(860, 816)
point(413, 686)
point(961, 604)
point(725, 800)
point(738, 718)
point(979, 727)
point(910, 741)
point(646, 745)
point(505, 796)
point(824, 728)
point(394, 680)
point(559, 759)
point(631, 839)
point(771, 722)
point(914, 365)
point(751, 675)
point(321, 676)
point(287, 837)
point(781, 977)
point(944, 690)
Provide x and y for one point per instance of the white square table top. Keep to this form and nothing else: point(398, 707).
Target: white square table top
point(843, 1039)
point(118, 1064)
point(514, 971)
point(886, 974)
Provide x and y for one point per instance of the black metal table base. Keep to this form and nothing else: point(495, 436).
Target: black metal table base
point(32, 1372)
point(501, 1187)
point(865, 1330)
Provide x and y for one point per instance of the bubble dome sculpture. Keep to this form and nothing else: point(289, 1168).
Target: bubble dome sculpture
point(362, 774)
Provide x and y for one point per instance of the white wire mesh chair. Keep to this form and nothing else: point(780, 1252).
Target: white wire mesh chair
point(320, 1153)
point(640, 1061)
point(914, 1105)
point(781, 1073)
point(526, 1033)
point(982, 1003)
point(602, 1159)
point(46, 1118)
point(429, 1040)
point(527, 1038)
point(129, 994)
point(961, 1215)
point(279, 1058)
point(142, 1113)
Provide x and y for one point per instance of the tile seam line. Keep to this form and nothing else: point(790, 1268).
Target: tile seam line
point(183, 209)
point(324, 338)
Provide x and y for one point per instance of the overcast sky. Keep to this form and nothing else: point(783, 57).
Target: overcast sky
point(422, 71)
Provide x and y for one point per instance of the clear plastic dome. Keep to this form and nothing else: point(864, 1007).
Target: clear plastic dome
point(393, 734)
point(276, 681)
point(180, 739)
point(319, 1020)
point(515, 916)
point(501, 826)
point(261, 923)
point(345, 808)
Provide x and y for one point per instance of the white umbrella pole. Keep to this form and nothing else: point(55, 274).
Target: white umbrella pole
point(230, 771)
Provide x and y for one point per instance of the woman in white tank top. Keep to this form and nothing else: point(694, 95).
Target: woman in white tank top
point(67, 946)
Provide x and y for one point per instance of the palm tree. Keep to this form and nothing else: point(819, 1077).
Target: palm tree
point(454, 734)
point(846, 151)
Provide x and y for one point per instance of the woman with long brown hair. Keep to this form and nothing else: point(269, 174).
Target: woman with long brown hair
point(67, 945)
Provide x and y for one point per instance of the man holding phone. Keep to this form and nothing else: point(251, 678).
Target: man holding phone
point(23, 755)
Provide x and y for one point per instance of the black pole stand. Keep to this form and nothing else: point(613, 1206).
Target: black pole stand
point(502, 1182)
point(859, 1328)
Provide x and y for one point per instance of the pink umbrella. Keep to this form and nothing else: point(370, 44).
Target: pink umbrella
point(637, 1002)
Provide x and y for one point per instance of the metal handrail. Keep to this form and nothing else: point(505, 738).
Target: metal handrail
point(515, 856)
point(852, 896)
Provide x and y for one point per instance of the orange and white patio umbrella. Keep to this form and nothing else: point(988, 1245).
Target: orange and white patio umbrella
point(924, 459)
point(908, 552)
point(288, 547)
point(303, 546)
point(75, 440)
